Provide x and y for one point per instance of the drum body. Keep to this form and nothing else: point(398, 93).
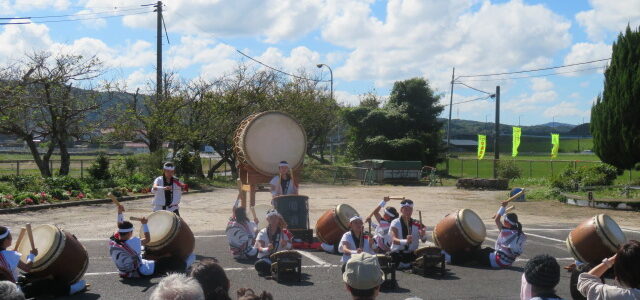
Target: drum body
point(595, 239)
point(264, 139)
point(294, 209)
point(170, 236)
point(458, 231)
point(60, 254)
point(334, 223)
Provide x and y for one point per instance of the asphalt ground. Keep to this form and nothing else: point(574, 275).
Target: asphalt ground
point(322, 277)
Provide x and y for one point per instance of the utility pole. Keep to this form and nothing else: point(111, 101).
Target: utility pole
point(159, 53)
point(496, 140)
point(453, 72)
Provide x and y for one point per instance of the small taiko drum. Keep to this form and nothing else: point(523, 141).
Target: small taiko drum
point(428, 255)
point(286, 262)
point(595, 239)
point(60, 254)
point(170, 236)
point(458, 231)
point(334, 223)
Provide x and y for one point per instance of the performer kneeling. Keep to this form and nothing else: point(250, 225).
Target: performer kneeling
point(10, 262)
point(354, 241)
point(509, 244)
point(405, 232)
point(126, 252)
point(275, 237)
point(382, 236)
point(241, 235)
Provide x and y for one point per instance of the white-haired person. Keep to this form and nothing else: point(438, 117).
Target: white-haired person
point(406, 234)
point(382, 236)
point(11, 263)
point(283, 183)
point(275, 237)
point(10, 291)
point(168, 190)
point(354, 241)
point(363, 276)
point(177, 286)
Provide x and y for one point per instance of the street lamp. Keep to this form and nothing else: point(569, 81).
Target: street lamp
point(331, 73)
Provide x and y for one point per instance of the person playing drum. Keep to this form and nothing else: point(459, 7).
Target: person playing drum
point(509, 244)
point(168, 190)
point(354, 241)
point(406, 234)
point(10, 262)
point(283, 183)
point(241, 235)
point(382, 237)
point(275, 237)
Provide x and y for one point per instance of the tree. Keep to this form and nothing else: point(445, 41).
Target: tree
point(615, 121)
point(405, 128)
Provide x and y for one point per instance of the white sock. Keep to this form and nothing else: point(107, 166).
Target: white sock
point(76, 287)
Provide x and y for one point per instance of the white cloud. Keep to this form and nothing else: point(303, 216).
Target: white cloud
point(9, 7)
point(17, 41)
point(609, 16)
point(541, 84)
point(347, 98)
point(140, 79)
point(581, 52)
point(542, 93)
point(566, 109)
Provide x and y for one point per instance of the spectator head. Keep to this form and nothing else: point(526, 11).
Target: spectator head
point(9, 291)
point(363, 276)
point(627, 265)
point(543, 273)
point(249, 294)
point(5, 237)
point(240, 213)
point(177, 287)
point(125, 229)
point(212, 279)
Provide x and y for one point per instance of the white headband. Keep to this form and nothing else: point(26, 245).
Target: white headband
point(388, 213)
point(509, 221)
point(4, 235)
point(283, 164)
point(272, 212)
point(125, 230)
point(168, 168)
point(406, 205)
point(354, 218)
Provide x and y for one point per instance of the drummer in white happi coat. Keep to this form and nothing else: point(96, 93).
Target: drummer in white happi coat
point(381, 235)
point(354, 241)
point(406, 234)
point(283, 183)
point(275, 237)
point(168, 190)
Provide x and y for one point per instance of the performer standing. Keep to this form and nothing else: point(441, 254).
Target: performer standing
point(382, 237)
point(10, 262)
point(241, 235)
point(275, 237)
point(354, 241)
point(167, 190)
point(283, 183)
point(406, 234)
point(509, 244)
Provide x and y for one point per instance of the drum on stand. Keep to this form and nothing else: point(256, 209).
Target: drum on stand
point(170, 236)
point(334, 223)
point(294, 209)
point(595, 239)
point(264, 139)
point(60, 254)
point(460, 230)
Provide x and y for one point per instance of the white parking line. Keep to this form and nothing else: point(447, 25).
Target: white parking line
point(195, 236)
point(545, 237)
point(313, 257)
point(630, 230)
point(557, 258)
point(226, 269)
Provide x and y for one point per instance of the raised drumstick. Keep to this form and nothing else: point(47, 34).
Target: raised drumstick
point(30, 234)
point(396, 197)
point(20, 237)
point(515, 196)
point(135, 219)
point(510, 208)
point(114, 199)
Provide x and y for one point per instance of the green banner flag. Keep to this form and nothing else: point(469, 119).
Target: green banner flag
point(517, 131)
point(482, 145)
point(555, 141)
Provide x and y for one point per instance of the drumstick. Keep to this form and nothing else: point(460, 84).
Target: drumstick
point(30, 234)
point(135, 219)
point(510, 208)
point(515, 196)
point(114, 199)
point(396, 197)
point(253, 211)
point(20, 237)
point(420, 216)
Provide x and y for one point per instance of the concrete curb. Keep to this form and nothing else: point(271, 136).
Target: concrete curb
point(603, 204)
point(83, 202)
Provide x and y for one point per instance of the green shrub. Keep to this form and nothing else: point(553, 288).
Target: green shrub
point(507, 169)
point(59, 194)
point(125, 166)
point(187, 164)
point(63, 182)
point(100, 167)
point(25, 182)
point(7, 188)
point(572, 179)
point(151, 164)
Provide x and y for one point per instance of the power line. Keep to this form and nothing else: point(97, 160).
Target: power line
point(79, 19)
point(539, 75)
point(535, 70)
point(458, 82)
point(474, 99)
point(74, 15)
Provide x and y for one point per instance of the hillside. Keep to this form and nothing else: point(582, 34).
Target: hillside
point(461, 128)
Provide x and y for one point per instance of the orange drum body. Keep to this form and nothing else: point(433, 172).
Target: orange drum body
point(595, 239)
point(170, 236)
point(458, 231)
point(60, 255)
point(334, 223)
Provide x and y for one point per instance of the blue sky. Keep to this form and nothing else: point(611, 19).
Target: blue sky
point(368, 43)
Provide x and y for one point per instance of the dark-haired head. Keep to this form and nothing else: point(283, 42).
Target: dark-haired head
point(212, 278)
point(627, 265)
point(512, 220)
point(392, 213)
point(406, 207)
point(5, 241)
point(241, 214)
point(125, 229)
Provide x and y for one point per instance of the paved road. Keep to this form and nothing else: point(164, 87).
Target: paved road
point(322, 279)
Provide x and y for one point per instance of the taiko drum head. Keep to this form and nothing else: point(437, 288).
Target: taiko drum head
point(344, 212)
point(163, 226)
point(610, 232)
point(49, 241)
point(472, 225)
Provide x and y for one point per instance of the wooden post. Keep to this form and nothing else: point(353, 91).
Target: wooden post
point(81, 168)
point(17, 168)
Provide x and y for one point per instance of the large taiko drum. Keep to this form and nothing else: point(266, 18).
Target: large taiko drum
point(595, 239)
point(264, 139)
point(60, 254)
point(170, 236)
point(460, 230)
point(334, 223)
point(294, 209)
